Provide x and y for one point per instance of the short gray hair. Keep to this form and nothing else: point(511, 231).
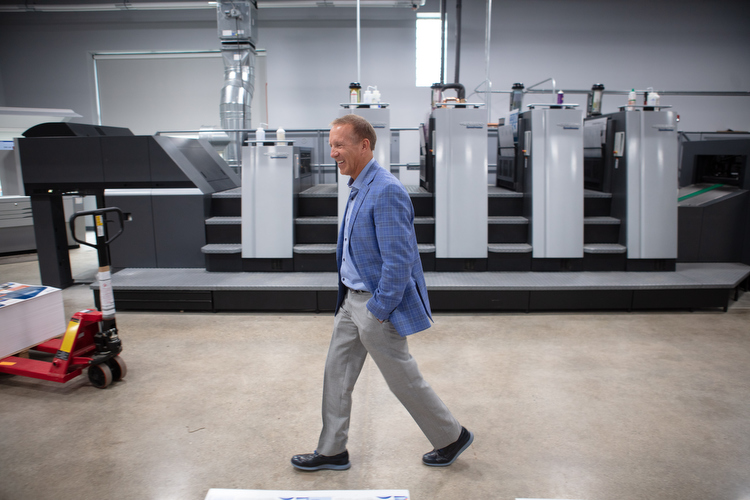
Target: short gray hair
point(361, 128)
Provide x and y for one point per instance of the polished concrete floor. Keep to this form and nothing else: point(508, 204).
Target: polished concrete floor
point(594, 406)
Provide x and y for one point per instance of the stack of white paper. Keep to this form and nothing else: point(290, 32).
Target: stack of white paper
point(29, 315)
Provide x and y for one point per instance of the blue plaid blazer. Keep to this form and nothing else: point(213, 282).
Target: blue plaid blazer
point(383, 248)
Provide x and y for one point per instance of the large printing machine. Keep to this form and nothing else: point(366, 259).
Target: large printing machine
point(544, 221)
point(282, 227)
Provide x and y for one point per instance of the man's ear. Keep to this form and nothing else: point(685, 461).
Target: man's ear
point(366, 144)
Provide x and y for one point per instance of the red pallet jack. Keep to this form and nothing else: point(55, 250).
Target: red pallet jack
point(91, 339)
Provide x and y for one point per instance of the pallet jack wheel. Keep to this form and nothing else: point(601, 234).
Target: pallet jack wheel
point(100, 375)
point(118, 368)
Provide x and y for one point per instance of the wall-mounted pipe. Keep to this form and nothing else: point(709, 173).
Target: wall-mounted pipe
point(690, 93)
point(693, 93)
point(458, 41)
point(55, 6)
point(359, 44)
point(554, 85)
point(442, 41)
point(460, 90)
point(488, 82)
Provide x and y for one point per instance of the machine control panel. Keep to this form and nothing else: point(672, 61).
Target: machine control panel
point(619, 148)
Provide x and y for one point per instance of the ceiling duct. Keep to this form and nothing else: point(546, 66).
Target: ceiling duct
point(97, 6)
point(236, 26)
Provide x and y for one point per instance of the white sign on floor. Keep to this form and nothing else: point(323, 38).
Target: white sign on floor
point(223, 494)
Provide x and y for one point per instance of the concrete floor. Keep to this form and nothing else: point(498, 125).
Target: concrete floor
point(576, 406)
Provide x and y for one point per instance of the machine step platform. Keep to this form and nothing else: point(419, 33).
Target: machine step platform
point(601, 221)
point(318, 220)
point(604, 248)
point(316, 248)
point(222, 248)
point(508, 219)
point(691, 286)
point(509, 248)
point(224, 221)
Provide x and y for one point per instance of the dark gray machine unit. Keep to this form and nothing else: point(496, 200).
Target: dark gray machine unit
point(66, 129)
point(507, 174)
point(598, 161)
point(88, 158)
point(166, 228)
point(65, 158)
point(427, 155)
point(716, 162)
point(714, 202)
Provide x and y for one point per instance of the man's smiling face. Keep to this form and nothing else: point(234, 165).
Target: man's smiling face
point(350, 155)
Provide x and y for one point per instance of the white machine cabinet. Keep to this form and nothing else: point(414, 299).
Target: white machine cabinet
point(552, 149)
point(460, 183)
point(270, 183)
point(651, 149)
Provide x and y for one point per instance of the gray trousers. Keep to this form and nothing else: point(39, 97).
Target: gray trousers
point(356, 332)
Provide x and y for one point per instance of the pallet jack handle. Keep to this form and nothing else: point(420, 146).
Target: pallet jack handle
point(99, 221)
point(106, 294)
point(107, 341)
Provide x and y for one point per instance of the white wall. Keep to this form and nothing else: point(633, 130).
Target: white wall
point(49, 65)
point(310, 68)
point(668, 44)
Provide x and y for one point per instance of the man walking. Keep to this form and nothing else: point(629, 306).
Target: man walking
point(382, 299)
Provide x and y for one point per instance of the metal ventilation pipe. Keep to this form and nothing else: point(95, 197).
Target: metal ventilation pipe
point(236, 23)
point(236, 97)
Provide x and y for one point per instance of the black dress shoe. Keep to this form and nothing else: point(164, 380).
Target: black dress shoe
point(446, 456)
point(314, 461)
